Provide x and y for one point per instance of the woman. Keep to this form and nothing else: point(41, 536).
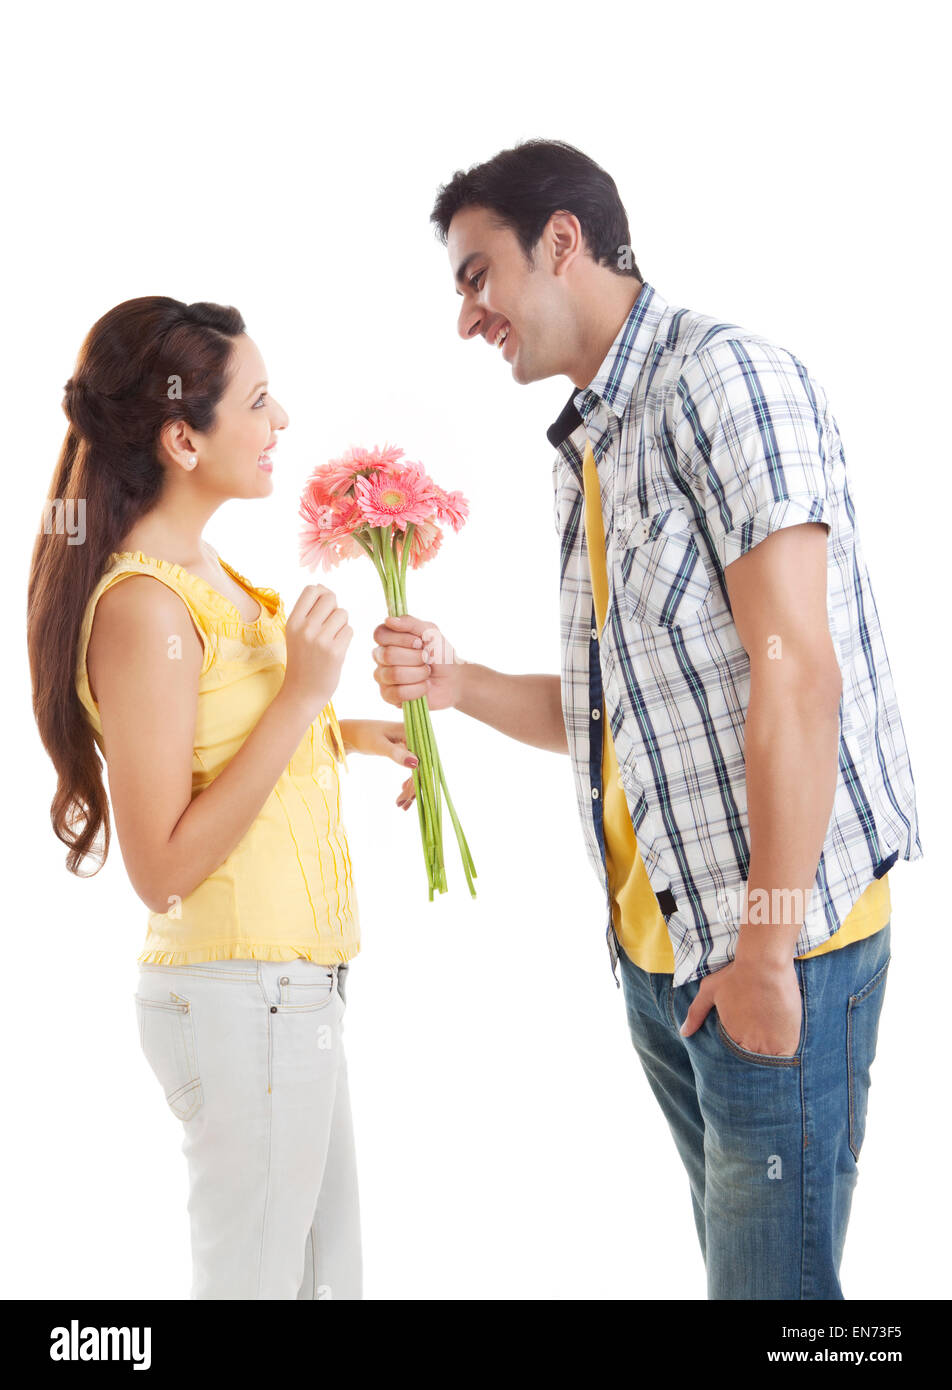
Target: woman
point(213, 712)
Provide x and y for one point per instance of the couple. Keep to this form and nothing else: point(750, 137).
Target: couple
point(725, 698)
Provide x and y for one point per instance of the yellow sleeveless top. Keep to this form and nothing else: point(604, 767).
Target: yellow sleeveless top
point(287, 887)
point(636, 916)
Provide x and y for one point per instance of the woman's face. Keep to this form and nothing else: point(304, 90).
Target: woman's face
point(234, 459)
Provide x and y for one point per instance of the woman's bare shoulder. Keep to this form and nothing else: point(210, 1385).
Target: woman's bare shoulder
point(138, 616)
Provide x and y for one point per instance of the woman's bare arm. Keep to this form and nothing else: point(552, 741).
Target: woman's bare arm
point(146, 687)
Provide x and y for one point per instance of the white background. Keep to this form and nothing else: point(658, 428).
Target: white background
point(783, 168)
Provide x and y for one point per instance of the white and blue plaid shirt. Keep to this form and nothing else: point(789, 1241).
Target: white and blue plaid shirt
point(706, 439)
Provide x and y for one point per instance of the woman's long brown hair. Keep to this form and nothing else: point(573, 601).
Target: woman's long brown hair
point(144, 363)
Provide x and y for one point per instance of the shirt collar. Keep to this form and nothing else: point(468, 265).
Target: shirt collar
point(615, 379)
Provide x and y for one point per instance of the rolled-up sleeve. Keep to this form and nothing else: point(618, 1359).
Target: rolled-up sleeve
point(753, 439)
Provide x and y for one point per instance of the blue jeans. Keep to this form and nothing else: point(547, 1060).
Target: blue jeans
point(770, 1143)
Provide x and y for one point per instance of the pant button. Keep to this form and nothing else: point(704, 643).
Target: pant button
point(284, 980)
point(274, 1009)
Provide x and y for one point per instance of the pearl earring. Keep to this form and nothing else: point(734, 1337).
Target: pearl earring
point(193, 460)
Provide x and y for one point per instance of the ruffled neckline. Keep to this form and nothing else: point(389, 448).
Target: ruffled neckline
point(272, 608)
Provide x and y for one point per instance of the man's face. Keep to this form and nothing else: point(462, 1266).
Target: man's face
point(516, 308)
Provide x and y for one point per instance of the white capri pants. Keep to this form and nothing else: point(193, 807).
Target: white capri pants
point(250, 1058)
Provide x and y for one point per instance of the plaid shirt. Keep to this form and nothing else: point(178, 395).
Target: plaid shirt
point(706, 439)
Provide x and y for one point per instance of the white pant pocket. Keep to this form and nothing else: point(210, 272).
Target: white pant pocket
point(167, 1038)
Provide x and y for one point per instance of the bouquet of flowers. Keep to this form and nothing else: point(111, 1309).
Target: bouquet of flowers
point(369, 501)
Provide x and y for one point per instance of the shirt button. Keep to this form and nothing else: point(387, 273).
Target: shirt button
point(596, 714)
point(594, 793)
point(595, 633)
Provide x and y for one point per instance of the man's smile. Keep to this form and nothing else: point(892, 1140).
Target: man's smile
point(500, 335)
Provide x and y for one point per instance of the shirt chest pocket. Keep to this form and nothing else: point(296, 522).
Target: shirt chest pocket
point(666, 583)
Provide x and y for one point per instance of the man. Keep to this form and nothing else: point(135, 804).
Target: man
point(725, 697)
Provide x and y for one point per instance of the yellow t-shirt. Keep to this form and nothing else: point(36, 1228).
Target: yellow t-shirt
point(287, 888)
point(638, 920)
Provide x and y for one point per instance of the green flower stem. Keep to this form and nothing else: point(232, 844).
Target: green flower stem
point(468, 865)
point(429, 780)
point(403, 558)
point(365, 546)
point(422, 811)
point(469, 868)
point(371, 549)
point(428, 741)
point(428, 786)
point(426, 783)
point(434, 758)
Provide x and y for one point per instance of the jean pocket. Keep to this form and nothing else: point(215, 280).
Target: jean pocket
point(765, 1059)
point(167, 1037)
point(862, 1028)
point(305, 988)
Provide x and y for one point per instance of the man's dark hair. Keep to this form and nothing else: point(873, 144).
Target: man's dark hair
point(524, 186)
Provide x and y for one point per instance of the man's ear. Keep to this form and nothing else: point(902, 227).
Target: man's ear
point(562, 236)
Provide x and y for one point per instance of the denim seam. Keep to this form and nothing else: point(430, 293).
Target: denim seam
point(757, 1059)
point(854, 999)
point(670, 1002)
point(160, 1004)
point(804, 1125)
point(267, 1186)
point(238, 977)
point(190, 1090)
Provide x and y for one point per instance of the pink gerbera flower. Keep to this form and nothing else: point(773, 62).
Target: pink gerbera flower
point(394, 497)
point(373, 501)
point(339, 475)
point(452, 507)
point(316, 491)
point(327, 531)
point(329, 552)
